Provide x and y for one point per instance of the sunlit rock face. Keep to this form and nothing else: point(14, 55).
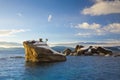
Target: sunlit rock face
point(36, 51)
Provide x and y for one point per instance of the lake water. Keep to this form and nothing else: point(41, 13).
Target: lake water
point(75, 68)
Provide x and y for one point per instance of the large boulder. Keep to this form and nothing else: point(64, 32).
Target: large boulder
point(103, 51)
point(36, 51)
point(78, 47)
point(81, 50)
point(67, 51)
point(90, 51)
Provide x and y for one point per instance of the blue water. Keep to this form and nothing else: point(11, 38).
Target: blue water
point(75, 68)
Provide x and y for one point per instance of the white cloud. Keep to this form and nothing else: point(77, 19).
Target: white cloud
point(11, 32)
point(85, 25)
point(100, 31)
point(113, 41)
point(102, 7)
point(83, 34)
point(87, 43)
point(97, 29)
point(49, 18)
point(110, 28)
point(19, 14)
point(10, 44)
point(113, 28)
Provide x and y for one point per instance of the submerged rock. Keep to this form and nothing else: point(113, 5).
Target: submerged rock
point(117, 55)
point(36, 51)
point(17, 57)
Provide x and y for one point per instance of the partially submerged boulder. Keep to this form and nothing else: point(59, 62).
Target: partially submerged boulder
point(36, 51)
point(78, 47)
point(67, 51)
point(90, 51)
point(104, 51)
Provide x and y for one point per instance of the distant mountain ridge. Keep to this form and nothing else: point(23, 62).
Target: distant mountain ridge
point(61, 48)
point(56, 48)
point(9, 44)
point(115, 48)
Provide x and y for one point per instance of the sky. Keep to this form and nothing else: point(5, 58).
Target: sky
point(60, 21)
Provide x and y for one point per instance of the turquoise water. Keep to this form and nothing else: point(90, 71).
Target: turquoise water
point(75, 68)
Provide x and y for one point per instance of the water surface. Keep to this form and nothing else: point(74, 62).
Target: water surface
point(75, 68)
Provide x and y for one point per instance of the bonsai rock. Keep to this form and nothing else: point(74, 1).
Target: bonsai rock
point(38, 51)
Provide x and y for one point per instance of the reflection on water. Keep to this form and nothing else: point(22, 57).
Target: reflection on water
point(41, 64)
point(75, 68)
point(14, 67)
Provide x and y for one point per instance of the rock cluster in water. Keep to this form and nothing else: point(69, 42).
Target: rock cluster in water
point(39, 51)
point(90, 51)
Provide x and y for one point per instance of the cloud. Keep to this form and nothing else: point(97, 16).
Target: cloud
point(86, 43)
point(11, 32)
point(19, 14)
point(83, 34)
point(9, 44)
point(113, 28)
point(102, 7)
point(97, 29)
point(65, 44)
point(113, 41)
point(49, 18)
point(85, 25)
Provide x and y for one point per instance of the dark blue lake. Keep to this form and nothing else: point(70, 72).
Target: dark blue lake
point(75, 68)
